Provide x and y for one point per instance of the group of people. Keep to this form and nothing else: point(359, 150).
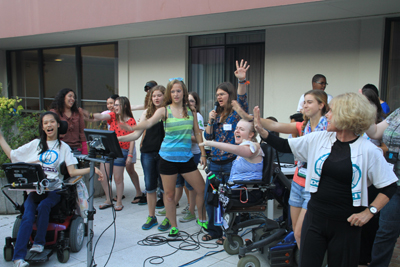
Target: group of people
point(338, 152)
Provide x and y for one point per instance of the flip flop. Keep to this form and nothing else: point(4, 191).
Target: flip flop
point(118, 208)
point(207, 237)
point(137, 198)
point(115, 198)
point(220, 241)
point(105, 206)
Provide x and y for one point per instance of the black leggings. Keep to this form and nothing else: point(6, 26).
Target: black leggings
point(320, 234)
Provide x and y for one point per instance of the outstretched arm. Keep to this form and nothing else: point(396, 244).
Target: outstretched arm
point(4, 145)
point(243, 114)
point(95, 116)
point(136, 134)
point(242, 151)
point(240, 74)
point(137, 107)
point(77, 172)
point(375, 131)
point(146, 124)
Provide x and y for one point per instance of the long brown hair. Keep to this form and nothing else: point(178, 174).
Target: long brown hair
point(322, 98)
point(230, 89)
point(197, 99)
point(151, 108)
point(185, 100)
point(125, 105)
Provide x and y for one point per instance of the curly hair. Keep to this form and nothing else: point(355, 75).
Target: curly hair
point(151, 108)
point(185, 100)
point(352, 112)
point(59, 101)
point(322, 98)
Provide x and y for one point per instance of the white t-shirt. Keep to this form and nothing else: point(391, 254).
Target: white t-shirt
point(301, 102)
point(106, 112)
point(195, 146)
point(50, 160)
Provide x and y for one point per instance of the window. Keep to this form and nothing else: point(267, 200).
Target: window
point(391, 65)
point(91, 71)
point(212, 61)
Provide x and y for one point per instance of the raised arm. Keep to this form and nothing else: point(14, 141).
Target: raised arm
point(4, 145)
point(240, 74)
point(243, 114)
point(136, 134)
point(375, 131)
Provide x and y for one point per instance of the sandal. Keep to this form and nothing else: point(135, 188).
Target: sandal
point(115, 198)
point(207, 237)
point(118, 208)
point(138, 199)
point(220, 241)
point(105, 206)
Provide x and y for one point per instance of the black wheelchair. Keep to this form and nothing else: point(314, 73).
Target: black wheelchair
point(66, 229)
point(272, 238)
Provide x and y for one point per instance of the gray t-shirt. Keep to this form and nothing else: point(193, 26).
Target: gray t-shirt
point(391, 137)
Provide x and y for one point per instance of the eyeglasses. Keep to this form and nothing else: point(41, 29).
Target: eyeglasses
point(177, 78)
point(322, 83)
point(192, 101)
point(221, 94)
point(117, 105)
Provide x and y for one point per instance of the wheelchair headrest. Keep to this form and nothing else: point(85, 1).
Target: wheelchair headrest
point(268, 163)
point(63, 127)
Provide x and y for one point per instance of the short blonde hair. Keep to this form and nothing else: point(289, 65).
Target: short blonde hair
point(251, 129)
point(352, 112)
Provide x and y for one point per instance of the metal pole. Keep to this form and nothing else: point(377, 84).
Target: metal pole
point(90, 217)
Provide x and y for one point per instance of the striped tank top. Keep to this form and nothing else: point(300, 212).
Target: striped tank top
point(177, 143)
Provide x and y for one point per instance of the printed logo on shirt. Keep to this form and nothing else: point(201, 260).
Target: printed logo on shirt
point(48, 157)
point(319, 164)
point(356, 176)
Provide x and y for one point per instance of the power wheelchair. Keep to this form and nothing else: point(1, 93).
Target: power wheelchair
point(66, 229)
point(272, 238)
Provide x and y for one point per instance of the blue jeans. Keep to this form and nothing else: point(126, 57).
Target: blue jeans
point(150, 162)
point(215, 231)
point(180, 181)
point(28, 218)
point(388, 232)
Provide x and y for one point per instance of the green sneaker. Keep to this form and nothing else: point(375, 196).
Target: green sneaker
point(162, 212)
point(151, 221)
point(174, 232)
point(188, 217)
point(186, 210)
point(165, 225)
point(204, 225)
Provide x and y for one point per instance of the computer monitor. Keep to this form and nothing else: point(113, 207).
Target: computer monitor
point(24, 175)
point(103, 142)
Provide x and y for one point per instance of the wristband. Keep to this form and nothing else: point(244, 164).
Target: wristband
point(242, 81)
point(130, 155)
point(209, 124)
point(204, 156)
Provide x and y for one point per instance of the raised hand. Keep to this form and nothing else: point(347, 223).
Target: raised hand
point(257, 123)
point(241, 69)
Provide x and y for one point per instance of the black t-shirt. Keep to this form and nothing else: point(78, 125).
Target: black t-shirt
point(333, 198)
point(153, 138)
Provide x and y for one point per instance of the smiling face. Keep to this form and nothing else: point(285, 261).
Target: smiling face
point(69, 100)
point(50, 127)
point(110, 104)
point(117, 107)
point(158, 98)
point(331, 124)
point(177, 93)
point(311, 106)
point(243, 131)
point(222, 97)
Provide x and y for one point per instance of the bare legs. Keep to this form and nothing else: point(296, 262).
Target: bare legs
point(130, 169)
point(151, 202)
point(105, 169)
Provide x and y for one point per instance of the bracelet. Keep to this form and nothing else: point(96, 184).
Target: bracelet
point(204, 156)
point(130, 155)
point(209, 124)
point(242, 81)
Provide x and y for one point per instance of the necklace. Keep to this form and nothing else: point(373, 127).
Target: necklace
point(180, 112)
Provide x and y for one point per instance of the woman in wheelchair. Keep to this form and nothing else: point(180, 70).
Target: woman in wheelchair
point(248, 165)
point(50, 152)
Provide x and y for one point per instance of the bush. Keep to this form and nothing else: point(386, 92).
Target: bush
point(18, 128)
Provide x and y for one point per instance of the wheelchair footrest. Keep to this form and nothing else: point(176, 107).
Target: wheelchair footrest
point(258, 208)
point(39, 257)
point(280, 256)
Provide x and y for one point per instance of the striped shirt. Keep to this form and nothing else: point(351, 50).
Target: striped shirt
point(177, 143)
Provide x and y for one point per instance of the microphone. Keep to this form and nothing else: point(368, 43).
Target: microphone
point(216, 105)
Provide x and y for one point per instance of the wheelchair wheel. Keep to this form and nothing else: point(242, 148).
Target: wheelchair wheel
point(249, 261)
point(233, 249)
point(76, 234)
point(16, 226)
point(63, 255)
point(8, 253)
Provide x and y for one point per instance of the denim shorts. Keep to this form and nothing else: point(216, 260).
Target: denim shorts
point(150, 162)
point(122, 161)
point(180, 181)
point(299, 197)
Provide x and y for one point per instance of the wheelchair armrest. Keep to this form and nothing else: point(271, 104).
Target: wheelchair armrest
point(247, 182)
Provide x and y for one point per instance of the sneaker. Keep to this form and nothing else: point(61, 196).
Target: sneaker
point(186, 210)
point(165, 225)
point(160, 204)
point(36, 248)
point(143, 200)
point(151, 221)
point(174, 232)
point(188, 217)
point(20, 263)
point(162, 212)
point(204, 225)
